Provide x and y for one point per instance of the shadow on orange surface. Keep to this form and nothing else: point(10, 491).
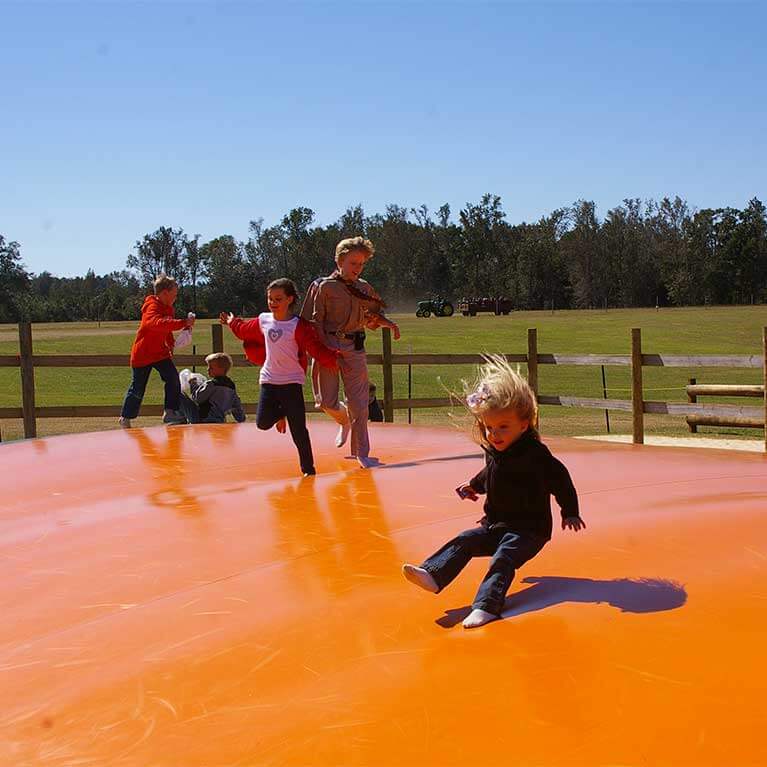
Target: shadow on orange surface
point(642, 595)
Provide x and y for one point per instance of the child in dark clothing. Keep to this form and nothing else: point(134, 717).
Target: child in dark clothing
point(519, 476)
point(211, 401)
point(374, 407)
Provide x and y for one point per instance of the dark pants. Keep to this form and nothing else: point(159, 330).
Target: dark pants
point(287, 401)
point(508, 551)
point(169, 375)
point(189, 409)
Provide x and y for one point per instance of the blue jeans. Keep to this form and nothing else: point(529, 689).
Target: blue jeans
point(189, 409)
point(508, 550)
point(287, 401)
point(135, 395)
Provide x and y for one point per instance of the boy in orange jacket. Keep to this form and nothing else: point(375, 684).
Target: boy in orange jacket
point(153, 348)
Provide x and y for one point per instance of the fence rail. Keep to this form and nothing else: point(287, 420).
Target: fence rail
point(696, 413)
point(722, 415)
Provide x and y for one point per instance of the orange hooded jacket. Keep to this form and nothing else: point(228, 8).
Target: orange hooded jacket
point(154, 340)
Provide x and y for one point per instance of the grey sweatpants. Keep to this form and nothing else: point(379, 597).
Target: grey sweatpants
point(353, 370)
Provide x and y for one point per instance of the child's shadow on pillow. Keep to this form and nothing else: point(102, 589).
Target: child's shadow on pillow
point(640, 595)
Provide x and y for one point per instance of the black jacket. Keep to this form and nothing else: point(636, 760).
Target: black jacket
point(518, 483)
point(217, 397)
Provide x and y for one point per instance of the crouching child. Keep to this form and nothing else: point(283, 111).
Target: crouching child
point(210, 402)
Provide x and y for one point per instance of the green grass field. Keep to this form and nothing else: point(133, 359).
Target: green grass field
point(718, 330)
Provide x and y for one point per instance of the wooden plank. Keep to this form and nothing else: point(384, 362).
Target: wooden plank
point(81, 360)
point(663, 408)
point(724, 390)
point(447, 359)
point(27, 379)
point(637, 394)
point(685, 408)
point(587, 402)
point(187, 360)
point(593, 360)
point(710, 420)
point(91, 411)
point(702, 361)
point(424, 402)
point(387, 376)
point(109, 411)
point(115, 360)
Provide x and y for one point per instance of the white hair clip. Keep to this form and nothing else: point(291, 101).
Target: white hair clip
point(478, 396)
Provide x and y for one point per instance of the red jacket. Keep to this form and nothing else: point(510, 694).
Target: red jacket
point(249, 331)
point(154, 340)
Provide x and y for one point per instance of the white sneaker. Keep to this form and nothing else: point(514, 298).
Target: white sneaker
point(343, 434)
point(478, 618)
point(124, 422)
point(420, 577)
point(173, 418)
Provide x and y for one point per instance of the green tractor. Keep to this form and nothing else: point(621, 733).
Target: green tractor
point(439, 307)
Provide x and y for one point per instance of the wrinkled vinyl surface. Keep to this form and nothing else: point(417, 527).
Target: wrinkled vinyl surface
point(179, 596)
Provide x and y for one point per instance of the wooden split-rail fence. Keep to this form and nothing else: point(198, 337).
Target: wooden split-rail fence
point(741, 419)
point(696, 413)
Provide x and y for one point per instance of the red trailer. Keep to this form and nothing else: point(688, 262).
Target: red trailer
point(469, 307)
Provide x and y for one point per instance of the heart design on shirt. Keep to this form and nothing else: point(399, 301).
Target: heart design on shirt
point(274, 335)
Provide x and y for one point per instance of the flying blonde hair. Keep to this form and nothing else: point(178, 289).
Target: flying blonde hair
point(499, 386)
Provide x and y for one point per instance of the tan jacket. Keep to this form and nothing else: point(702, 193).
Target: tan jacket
point(333, 309)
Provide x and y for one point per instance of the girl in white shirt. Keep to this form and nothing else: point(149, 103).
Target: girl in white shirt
point(279, 342)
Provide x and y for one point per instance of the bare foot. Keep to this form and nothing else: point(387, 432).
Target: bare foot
point(282, 425)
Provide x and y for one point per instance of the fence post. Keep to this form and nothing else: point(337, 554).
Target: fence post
point(410, 388)
point(692, 399)
point(532, 366)
point(637, 397)
point(387, 376)
point(604, 396)
point(764, 382)
point(27, 379)
point(217, 337)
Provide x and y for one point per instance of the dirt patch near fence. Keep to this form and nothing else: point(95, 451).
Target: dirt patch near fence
point(752, 445)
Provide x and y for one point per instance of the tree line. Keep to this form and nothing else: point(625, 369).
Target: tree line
point(642, 253)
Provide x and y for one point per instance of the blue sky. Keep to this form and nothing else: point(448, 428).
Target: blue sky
point(119, 117)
